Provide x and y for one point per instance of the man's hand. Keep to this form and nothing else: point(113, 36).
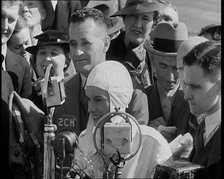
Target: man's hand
point(168, 132)
point(33, 117)
point(157, 122)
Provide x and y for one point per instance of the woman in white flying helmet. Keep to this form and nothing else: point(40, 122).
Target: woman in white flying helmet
point(109, 88)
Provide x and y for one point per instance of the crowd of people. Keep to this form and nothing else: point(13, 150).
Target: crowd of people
point(129, 56)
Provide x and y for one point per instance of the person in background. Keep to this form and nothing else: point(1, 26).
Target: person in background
point(38, 15)
point(202, 90)
point(89, 42)
point(128, 47)
point(21, 39)
point(167, 106)
point(17, 67)
point(9, 10)
point(61, 12)
point(115, 24)
point(168, 14)
point(109, 88)
point(52, 47)
point(211, 32)
point(12, 154)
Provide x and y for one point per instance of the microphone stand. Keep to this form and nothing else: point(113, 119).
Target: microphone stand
point(49, 132)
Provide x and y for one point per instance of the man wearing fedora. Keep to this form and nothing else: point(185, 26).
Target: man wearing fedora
point(128, 47)
point(167, 106)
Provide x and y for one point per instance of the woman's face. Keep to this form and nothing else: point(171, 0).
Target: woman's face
point(98, 102)
point(19, 42)
point(33, 12)
point(50, 54)
point(138, 27)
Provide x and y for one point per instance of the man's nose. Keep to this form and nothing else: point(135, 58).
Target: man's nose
point(25, 8)
point(5, 25)
point(138, 22)
point(78, 51)
point(187, 93)
point(48, 58)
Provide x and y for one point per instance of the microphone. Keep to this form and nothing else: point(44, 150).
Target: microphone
point(64, 143)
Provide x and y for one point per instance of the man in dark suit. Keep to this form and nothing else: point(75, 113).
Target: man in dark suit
point(202, 87)
point(89, 43)
point(61, 12)
point(167, 106)
point(19, 70)
point(10, 10)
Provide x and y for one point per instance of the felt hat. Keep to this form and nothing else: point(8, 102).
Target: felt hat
point(108, 7)
point(49, 37)
point(139, 7)
point(50, 15)
point(167, 38)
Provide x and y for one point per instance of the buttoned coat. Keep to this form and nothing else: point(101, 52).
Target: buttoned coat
point(209, 158)
point(7, 88)
point(19, 70)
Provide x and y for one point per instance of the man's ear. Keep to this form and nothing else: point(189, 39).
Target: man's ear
point(106, 44)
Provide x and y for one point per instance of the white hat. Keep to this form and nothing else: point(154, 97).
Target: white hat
point(114, 78)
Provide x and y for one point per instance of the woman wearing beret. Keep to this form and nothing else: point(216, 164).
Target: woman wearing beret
point(52, 47)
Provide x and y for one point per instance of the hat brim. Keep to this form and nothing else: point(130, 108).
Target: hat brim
point(48, 20)
point(118, 26)
point(139, 9)
point(34, 49)
point(160, 53)
point(118, 22)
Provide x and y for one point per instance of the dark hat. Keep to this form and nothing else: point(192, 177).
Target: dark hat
point(50, 15)
point(108, 8)
point(167, 38)
point(49, 37)
point(139, 7)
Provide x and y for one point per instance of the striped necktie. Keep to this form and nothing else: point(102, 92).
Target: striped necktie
point(199, 139)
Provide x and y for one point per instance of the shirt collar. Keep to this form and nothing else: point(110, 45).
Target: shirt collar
point(4, 50)
point(212, 121)
point(83, 80)
point(54, 3)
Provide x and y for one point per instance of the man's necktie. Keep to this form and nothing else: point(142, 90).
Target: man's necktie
point(83, 109)
point(199, 139)
point(192, 125)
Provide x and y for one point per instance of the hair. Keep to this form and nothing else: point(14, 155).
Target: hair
point(207, 55)
point(82, 14)
point(13, 2)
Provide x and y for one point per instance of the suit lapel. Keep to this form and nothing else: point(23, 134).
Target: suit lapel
point(155, 108)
